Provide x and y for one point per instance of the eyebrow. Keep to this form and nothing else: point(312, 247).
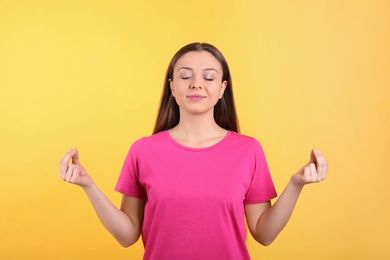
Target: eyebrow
point(206, 69)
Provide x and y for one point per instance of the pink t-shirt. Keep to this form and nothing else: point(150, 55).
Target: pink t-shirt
point(195, 196)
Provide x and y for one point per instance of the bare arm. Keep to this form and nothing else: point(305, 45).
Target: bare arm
point(265, 222)
point(125, 223)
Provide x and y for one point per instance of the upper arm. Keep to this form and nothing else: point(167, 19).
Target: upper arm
point(253, 213)
point(134, 209)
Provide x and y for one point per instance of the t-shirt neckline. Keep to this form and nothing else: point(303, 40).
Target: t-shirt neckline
point(196, 149)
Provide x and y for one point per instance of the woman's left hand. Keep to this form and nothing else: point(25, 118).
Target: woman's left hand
point(314, 171)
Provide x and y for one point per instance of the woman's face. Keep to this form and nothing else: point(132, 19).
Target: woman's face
point(197, 83)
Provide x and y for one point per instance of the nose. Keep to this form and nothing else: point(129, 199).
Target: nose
point(196, 84)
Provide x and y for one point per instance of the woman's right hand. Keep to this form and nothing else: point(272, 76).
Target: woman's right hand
point(72, 171)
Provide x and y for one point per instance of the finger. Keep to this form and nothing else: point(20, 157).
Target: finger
point(325, 167)
point(322, 165)
point(75, 157)
point(75, 175)
point(306, 174)
point(69, 172)
point(312, 156)
point(313, 173)
point(68, 175)
point(64, 162)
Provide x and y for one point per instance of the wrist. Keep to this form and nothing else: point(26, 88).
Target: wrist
point(297, 182)
point(89, 186)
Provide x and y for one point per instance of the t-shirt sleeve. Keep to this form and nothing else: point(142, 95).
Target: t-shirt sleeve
point(261, 188)
point(128, 182)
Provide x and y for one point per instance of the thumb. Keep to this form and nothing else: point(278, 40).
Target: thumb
point(312, 157)
point(75, 157)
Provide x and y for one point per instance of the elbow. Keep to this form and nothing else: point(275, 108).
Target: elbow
point(265, 237)
point(126, 237)
point(126, 243)
point(265, 241)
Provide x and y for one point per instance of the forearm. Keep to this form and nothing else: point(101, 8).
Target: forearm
point(275, 218)
point(267, 221)
point(118, 223)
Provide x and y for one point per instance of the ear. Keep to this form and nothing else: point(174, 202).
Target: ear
point(171, 86)
point(223, 87)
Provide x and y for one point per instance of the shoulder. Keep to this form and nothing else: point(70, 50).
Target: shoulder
point(138, 147)
point(247, 143)
point(243, 139)
point(155, 139)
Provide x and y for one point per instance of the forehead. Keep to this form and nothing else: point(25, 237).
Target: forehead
point(198, 59)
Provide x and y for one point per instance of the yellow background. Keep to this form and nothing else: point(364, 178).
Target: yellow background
point(88, 74)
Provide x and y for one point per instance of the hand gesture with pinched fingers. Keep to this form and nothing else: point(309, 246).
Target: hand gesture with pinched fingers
point(72, 171)
point(314, 171)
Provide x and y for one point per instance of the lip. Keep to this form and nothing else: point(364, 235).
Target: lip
point(196, 97)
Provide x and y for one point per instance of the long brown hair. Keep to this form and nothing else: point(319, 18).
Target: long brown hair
point(224, 111)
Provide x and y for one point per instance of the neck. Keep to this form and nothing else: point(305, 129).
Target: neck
point(197, 131)
point(197, 126)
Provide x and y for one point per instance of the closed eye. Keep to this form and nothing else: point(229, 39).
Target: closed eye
point(185, 77)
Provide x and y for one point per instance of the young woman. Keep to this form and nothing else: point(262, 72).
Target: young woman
point(189, 187)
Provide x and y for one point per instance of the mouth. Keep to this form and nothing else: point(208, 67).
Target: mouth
point(196, 97)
